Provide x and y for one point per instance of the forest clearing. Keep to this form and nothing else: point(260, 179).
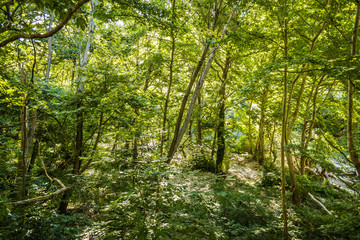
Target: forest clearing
point(179, 119)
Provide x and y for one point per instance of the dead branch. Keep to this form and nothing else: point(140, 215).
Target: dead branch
point(46, 197)
point(38, 199)
point(319, 203)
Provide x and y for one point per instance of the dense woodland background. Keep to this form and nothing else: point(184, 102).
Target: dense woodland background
point(179, 119)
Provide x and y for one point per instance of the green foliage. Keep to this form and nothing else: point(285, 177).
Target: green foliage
point(39, 224)
point(242, 145)
point(242, 213)
point(201, 161)
point(270, 179)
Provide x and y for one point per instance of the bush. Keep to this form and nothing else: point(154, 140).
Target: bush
point(33, 223)
point(270, 179)
point(200, 161)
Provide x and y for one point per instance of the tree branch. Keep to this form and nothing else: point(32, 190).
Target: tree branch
point(48, 34)
point(319, 203)
point(8, 3)
point(38, 199)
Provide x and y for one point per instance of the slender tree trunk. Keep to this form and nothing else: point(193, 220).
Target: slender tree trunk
point(21, 166)
point(50, 52)
point(350, 135)
point(184, 101)
point(260, 149)
point(135, 152)
point(199, 122)
point(27, 131)
point(221, 116)
point(148, 77)
point(272, 144)
point(283, 135)
point(33, 155)
point(220, 153)
point(80, 118)
point(305, 140)
point(113, 149)
point(174, 143)
point(196, 92)
point(163, 132)
point(250, 131)
point(214, 142)
point(291, 122)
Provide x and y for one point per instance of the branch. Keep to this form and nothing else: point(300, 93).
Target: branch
point(8, 3)
point(38, 199)
point(48, 34)
point(319, 203)
point(338, 149)
point(46, 197)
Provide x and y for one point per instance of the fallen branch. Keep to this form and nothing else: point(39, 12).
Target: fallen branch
point(346, 182)
point(38, 199)
point(319, 203)
point(46, 197)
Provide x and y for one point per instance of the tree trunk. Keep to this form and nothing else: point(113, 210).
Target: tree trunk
point(221, 116)
point(196, 92)
point(80, 119)
point(350, 135)
point(50, 52)
point(305, 140)
point(184, 101)
point(283, 135)
point(250, 132)
point(198, 125)
point(163, 132)
point(260, 150)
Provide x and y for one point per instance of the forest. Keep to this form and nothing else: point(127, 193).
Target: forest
point(179, 119)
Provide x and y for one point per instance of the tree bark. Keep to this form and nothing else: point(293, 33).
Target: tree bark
point(50, 52)
point(250, 132)
point(350, 135)
point(184, 101)
point(220, 153)
point(196, 92)
point(260, 149)
point(172, 36)
point(283, 134)
point(199, 122)
point(80, 119)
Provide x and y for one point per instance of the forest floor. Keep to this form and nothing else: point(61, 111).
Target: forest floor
point(148, 199)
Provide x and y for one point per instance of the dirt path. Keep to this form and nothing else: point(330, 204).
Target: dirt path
point(245, 170)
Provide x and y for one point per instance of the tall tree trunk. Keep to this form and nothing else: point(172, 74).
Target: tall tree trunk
point(174, 142)
point(220, 153)
point(163, 132)
point(27, 131)
point(196, 92)
point(260, 149)
point(350, 135)
point(250, 132)
point(213, 145)
point(79, 117)
point(50, 52)
point(184, 101)
point(221, 116)
point(305, 139)
point(291, 122)
point(199, 122)
point(21, 166)
point(283, 134)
